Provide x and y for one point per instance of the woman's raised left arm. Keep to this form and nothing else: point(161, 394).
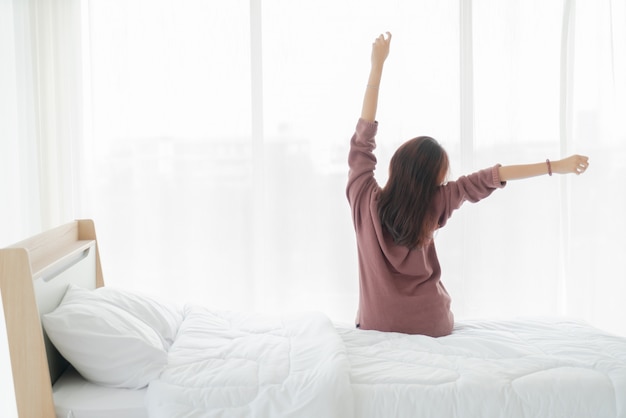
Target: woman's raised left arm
point(380, 51)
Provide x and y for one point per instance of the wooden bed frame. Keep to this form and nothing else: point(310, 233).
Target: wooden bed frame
point(25, 267)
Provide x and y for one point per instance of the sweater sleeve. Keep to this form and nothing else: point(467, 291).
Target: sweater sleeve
point(471, 188)
point(361, 161)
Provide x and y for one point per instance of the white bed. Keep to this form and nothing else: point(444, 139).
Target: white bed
point(72, 393)
point(517, 368)
point(207, 363)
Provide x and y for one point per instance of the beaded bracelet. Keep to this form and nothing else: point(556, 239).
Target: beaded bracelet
point(549, 167)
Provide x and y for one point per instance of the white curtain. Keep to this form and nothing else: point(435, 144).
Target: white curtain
point(41, 119)
point(208, 140)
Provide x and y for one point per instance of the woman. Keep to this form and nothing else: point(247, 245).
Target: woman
point(399, 273)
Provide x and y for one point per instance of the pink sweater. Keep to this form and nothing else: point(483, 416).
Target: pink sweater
point(400, 289)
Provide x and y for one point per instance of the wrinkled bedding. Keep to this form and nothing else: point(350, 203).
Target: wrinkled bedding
point(225, 364)
point(529, 368)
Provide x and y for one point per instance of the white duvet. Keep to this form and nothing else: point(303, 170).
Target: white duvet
point(238, 365)
point(529, 368)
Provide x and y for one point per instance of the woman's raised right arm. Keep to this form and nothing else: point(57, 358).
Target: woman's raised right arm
point(575, 164)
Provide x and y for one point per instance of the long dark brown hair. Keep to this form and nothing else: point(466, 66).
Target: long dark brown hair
point(415, 171)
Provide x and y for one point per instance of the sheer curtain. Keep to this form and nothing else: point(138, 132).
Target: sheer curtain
point(41, 110)
point(548, 81)
point(205, 197)
point(213, 139)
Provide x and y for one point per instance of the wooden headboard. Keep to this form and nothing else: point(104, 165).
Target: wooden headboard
point(27, 270)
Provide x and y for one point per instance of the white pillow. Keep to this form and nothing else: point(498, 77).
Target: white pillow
point(106, 344)
point(165, 319)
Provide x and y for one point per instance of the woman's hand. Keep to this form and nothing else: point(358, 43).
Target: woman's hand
point(380, 49)
point(576, 164)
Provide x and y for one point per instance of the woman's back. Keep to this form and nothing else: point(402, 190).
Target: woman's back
point(400, 288)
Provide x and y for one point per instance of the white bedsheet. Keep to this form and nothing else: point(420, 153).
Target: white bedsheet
point(239, 365)
point(72, 393)
point(529, 368)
